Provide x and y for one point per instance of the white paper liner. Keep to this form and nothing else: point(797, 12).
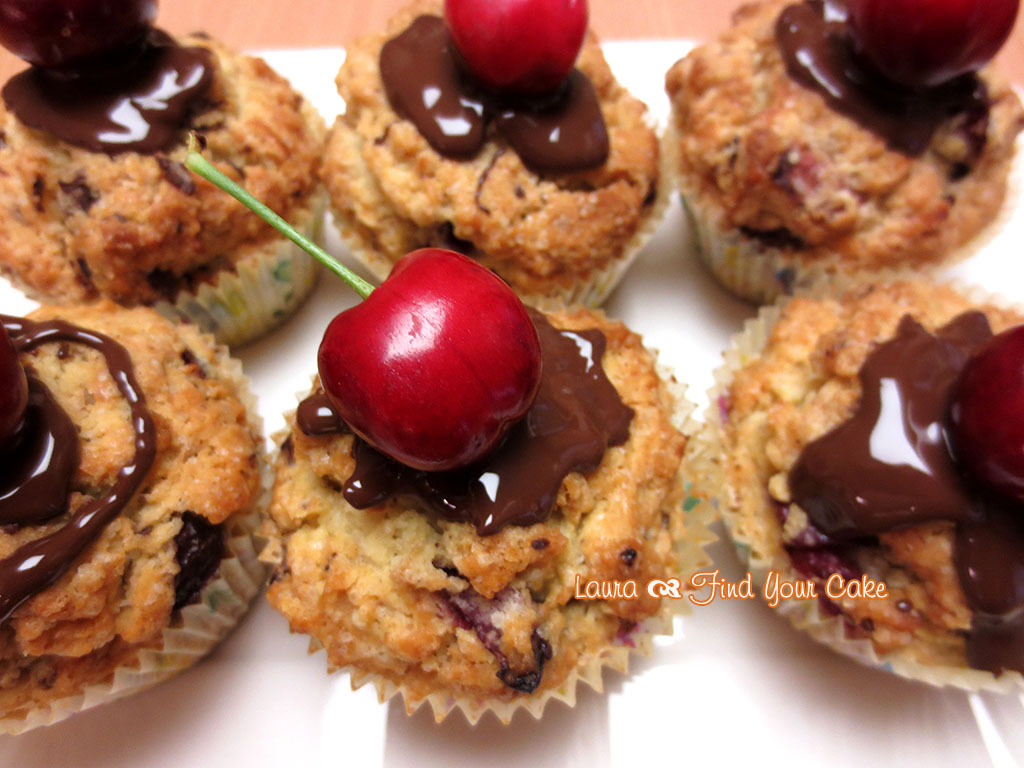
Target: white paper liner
point(760, 274)
point(270, 281)
point(691, 557)
point(202, 624)
point(760, 557)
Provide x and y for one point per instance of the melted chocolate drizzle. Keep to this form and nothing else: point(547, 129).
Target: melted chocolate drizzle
point(134, 105)
point(820, 55)
point(426, 84)
point(35, 566)
point(889, 467)
point(577, 415)
point(36, 476)
point(316, 416)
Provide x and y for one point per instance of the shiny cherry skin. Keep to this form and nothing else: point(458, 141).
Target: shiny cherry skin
point(436, 364)
point(922, 43)
point(987, 415)
point(13, 390)
point(59, 33)
point(518, 46)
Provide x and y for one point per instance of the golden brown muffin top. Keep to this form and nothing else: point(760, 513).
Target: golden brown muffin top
point(762, 154)
point(368, 584)
point(78, 225)
point(800, 386)
point(395, 193)
point(118, 596)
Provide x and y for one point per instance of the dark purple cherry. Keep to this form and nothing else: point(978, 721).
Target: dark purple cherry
point(927, 42)
point(987, 415)
point(13, 390)
point(436, 364)
point(520, 46)
point(58, 33)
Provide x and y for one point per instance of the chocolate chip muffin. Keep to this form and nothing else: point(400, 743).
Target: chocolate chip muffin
point(462, 588)
point(93, 213)
point(558, 236)
point(786, 184)
point(831, 446)
point(145, 560)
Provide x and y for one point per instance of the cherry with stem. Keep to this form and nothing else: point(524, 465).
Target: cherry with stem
point(434, 366)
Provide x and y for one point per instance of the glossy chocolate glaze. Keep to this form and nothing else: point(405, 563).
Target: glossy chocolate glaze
point(35, 566)
point(888, 467)
point(577, 415)
point(316, 416)
point(819, 54)
point(426, 84)
point(138, 103)
point(35, 477)
point(563, 135)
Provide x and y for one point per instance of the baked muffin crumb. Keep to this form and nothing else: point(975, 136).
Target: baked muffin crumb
point(434, 608)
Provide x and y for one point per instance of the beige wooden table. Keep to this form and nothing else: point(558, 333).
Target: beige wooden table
point(302, 23)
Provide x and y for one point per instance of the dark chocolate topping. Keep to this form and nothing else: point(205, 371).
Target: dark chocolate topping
point(888, 467)
point(35, 478)
point(820, 55)
point(139, 105)
point(35, 566)
point(576, 416)
point(316, 416)
point(561, 136)
point(426, 84)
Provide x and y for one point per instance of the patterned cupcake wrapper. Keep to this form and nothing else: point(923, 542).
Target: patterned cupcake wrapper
point(201, 625)
point(589, 291)
point(270, 281)
point(761, 274)
point(691, 557)
point(762, 556)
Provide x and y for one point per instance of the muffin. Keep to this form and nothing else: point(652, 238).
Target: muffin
point(830, 450)
point(557, 236)
point(152, 583)
point(93, 213)
point(785, 186)
point(416, 582)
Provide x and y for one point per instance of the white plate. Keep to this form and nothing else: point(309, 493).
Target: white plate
point(735, 685)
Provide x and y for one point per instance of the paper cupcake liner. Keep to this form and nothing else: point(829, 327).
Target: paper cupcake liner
point(690, 555)
point(590, 290)
point(760, 555)
point(271, 279)
point(761, 274)
point(202, 624)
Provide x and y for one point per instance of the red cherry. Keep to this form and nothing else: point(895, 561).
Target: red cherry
point(987, 415)
point(13, 390)
point(436, 364)
point(54, 33)
point(927, 42)
point(525, 46)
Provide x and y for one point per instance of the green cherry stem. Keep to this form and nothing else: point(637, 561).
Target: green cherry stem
point(198, 164)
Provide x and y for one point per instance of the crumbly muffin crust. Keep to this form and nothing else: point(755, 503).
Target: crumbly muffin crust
point(393, 193)
point(79, 225)
point(119, 595)
point(765, 157)
point(368, 584)
point(803, 384)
